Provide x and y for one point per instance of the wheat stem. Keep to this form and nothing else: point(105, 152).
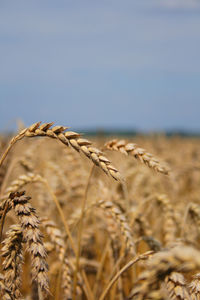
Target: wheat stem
point(83, 204)
point(122, 270)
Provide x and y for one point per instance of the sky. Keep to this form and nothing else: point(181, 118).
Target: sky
point(131, 64)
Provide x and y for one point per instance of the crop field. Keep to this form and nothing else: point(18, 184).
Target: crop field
point(115, 219)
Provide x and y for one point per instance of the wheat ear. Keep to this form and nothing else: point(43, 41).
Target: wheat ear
point(5, 293)
point(20, 182)
point(194, 287)
point(194, 212)
point(163, 263)
point(16, 185)
point(56, 238)
point(112, 210)
point(176, 286)
point(139, 153)
point(115, 218)
point(12, 254)
point(169, 226)
point(68, 138)
point(32, 237)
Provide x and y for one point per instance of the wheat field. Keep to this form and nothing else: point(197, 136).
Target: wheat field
point(115, 219)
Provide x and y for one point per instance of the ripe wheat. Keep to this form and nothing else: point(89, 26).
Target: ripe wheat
point(98, 238)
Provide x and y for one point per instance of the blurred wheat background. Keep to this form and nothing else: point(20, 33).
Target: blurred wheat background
point(80, 227)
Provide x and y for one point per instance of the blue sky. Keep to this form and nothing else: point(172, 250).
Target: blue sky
point(101, 64)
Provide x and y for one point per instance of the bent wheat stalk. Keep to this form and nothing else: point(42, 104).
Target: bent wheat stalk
point(67, 138)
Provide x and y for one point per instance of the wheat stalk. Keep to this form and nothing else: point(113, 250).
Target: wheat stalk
point(143, 256)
